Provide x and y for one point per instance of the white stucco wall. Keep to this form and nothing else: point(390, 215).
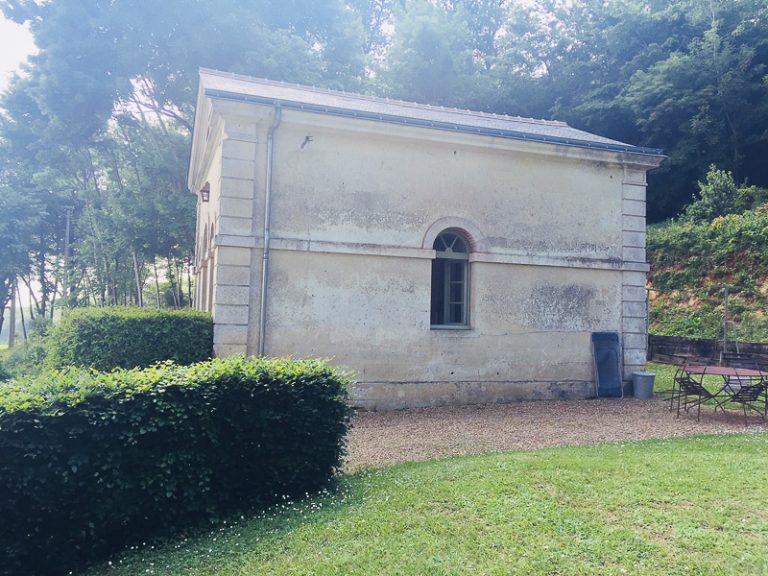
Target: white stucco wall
point(386, 189)
point(558, 238)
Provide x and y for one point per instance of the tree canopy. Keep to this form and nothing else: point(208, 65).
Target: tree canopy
point(98, 125)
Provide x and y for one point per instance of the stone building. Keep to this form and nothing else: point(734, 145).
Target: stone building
point(446, 256)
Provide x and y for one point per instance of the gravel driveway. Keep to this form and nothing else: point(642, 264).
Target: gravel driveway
point(382, 438)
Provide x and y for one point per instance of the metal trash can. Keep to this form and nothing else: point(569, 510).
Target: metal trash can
point(642, 383)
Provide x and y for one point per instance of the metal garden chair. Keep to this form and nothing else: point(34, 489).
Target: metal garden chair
point(752, 396)
point(749, 391)
point(682, 374)
point(735, 360)
point(691, 392)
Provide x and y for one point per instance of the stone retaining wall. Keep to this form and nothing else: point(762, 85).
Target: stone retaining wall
point(663, 348)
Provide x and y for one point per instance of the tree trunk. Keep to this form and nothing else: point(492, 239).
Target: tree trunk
point(90, 291)
point(139, 297)
point(21, 311)
point(54, 292)
point(172, 283)
point(12, 318)
point(180, 283)
point(43, 304)
point(98, 257)
point(33, 303)
point(113, 283)
point(157, 283)
point(6, 286)
point(189, 283)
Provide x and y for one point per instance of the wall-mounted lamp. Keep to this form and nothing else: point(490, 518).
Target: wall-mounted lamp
point(205, 192)
point(306, 142)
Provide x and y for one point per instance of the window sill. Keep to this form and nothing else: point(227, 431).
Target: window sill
point(450, 327)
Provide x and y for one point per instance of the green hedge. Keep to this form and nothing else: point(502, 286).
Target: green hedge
point(4, 373)
point(107, 338)
point(93, 462)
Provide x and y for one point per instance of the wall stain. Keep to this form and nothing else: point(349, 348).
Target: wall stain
point(371, 218)
point(546, 243)
point(559, 307)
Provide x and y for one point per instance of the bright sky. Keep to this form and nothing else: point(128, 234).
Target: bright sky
point(15, 45)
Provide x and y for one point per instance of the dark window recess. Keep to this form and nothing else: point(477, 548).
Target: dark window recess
point(450, 281)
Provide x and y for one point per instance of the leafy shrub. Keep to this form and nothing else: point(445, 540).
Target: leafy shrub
point(719, 195)
point(4, 374)
point(750, 329)
point(669, 280)
point(167, 292)
point(91, 462)
point(674, 243)
point(690, 263)
point(107, 338)
point(669, 319)
point(27, 358)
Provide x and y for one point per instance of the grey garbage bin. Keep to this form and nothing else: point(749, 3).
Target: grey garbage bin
point(642, 383)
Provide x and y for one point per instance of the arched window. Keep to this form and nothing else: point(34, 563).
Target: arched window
point(450, 280)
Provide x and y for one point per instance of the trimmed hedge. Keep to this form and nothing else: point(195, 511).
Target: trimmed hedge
point(93, 462)
point(107, 338)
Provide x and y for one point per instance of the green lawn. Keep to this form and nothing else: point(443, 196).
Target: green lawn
point(684, 506)
point(664, 374)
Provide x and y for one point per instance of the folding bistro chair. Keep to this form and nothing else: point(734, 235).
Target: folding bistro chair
point(681, 374)
point(749, 391)
point(691, 392)
point(680, 363)
point(733, 360)
point(753, 396)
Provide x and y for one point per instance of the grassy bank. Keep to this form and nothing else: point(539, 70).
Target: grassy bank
point(685, 506)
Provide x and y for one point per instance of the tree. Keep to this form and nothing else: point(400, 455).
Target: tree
point(33, 161)
point(18, 220)
point(707, 102)
point(375, 17)
point(99, 126)
point(431, 59)
point(684, 76)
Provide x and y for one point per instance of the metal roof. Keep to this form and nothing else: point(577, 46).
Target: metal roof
point(227, 86)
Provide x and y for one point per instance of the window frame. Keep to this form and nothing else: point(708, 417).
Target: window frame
point(445, 258)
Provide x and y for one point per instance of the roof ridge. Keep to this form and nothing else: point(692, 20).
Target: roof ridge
point(372, 98)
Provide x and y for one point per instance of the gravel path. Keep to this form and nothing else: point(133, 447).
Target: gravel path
point(382, 438)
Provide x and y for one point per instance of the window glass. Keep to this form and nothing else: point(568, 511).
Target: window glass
point(450, 280)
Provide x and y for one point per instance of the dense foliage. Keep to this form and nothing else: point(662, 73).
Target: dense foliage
point(718, 243)
point(107, 338)
point(28, 357)
point(96, 133)
point(91, 462)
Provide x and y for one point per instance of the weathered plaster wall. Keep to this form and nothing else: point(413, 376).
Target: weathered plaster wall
point(355, 208)
point(387, 190)
point(205, 243)
point(529, 336)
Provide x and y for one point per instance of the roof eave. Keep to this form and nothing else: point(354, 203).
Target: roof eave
point(432, 124)
point(197, 145)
